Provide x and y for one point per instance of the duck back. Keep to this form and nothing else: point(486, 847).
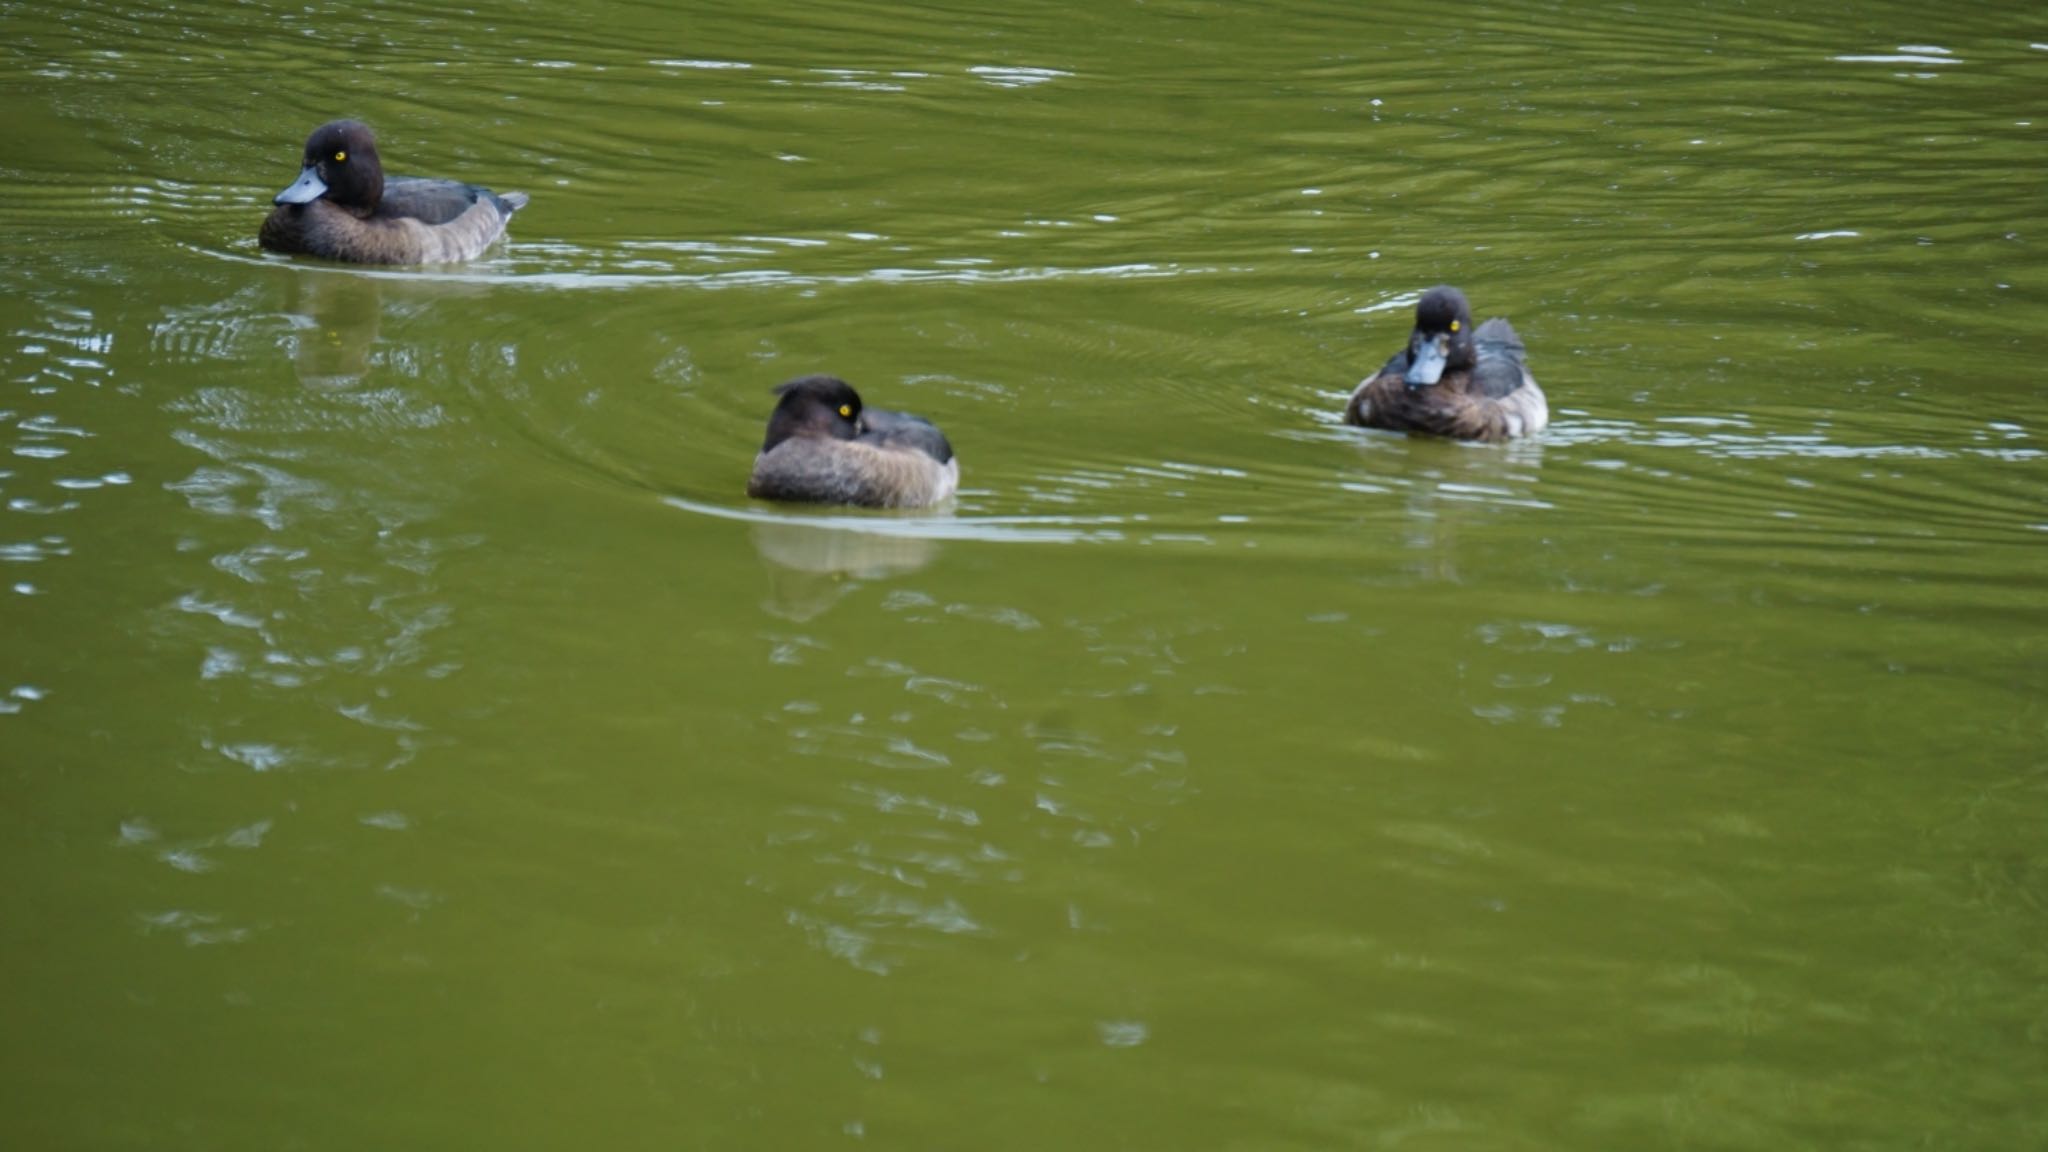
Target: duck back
point(1498, 368)
point(902, 430)
point(430, 201)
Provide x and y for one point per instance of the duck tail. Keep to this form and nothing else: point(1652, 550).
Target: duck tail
point(514, 201)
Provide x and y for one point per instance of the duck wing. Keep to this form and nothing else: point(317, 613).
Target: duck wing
point(428, 201)
point(1498, 367)
point(886, 429)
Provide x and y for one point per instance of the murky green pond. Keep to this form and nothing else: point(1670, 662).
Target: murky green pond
point(411, 737)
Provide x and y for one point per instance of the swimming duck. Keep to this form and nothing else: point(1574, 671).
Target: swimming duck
point(1452, 379)
point(343, 207)
point(825, 447)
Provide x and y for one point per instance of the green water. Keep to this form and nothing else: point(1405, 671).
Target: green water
point(410, 736)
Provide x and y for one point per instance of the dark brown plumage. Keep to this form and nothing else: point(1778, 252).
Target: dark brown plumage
point(824, 447)
point(343, 207)
point(1453, 380)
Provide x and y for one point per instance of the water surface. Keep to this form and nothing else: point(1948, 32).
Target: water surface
point(410, 736)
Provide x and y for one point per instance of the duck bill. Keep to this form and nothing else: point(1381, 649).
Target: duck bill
point(1426, 363)
point(306, 189)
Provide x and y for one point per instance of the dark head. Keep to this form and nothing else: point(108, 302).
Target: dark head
point(814, 406)
point(1442, 338)
point(341, 164)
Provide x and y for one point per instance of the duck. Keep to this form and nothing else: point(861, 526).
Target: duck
point(826, 447)
point(343, 207)
point(1453, 379)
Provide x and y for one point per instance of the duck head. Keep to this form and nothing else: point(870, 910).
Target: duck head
point(1442, 338)
point(341, 164)
point(814, 406)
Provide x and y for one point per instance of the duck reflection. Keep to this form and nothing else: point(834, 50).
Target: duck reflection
point(812, 565)
point(1444, 488)
point(1433, 473)
point(335, 321)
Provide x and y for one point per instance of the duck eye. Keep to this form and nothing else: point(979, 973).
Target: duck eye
point(846, 410)
point(1454, 325)
point(340, 157)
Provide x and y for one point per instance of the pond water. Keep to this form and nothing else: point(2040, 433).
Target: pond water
point(411, 737)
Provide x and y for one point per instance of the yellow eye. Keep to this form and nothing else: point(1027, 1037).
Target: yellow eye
point(846, 410)
point(1454, 325)
point(339, 157)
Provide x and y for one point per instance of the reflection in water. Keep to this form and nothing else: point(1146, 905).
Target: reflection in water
point(335, 319)
point(339, 327)
point(1445, 487)
point(1431, 473)
point(57, 471)
point(320, 594)
point(811, 566)
point(936, 799)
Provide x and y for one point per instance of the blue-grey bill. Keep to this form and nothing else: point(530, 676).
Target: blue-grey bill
point(306, 189)
point(1428, 365)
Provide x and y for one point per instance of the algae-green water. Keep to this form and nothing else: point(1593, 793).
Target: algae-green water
point(412, 738)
